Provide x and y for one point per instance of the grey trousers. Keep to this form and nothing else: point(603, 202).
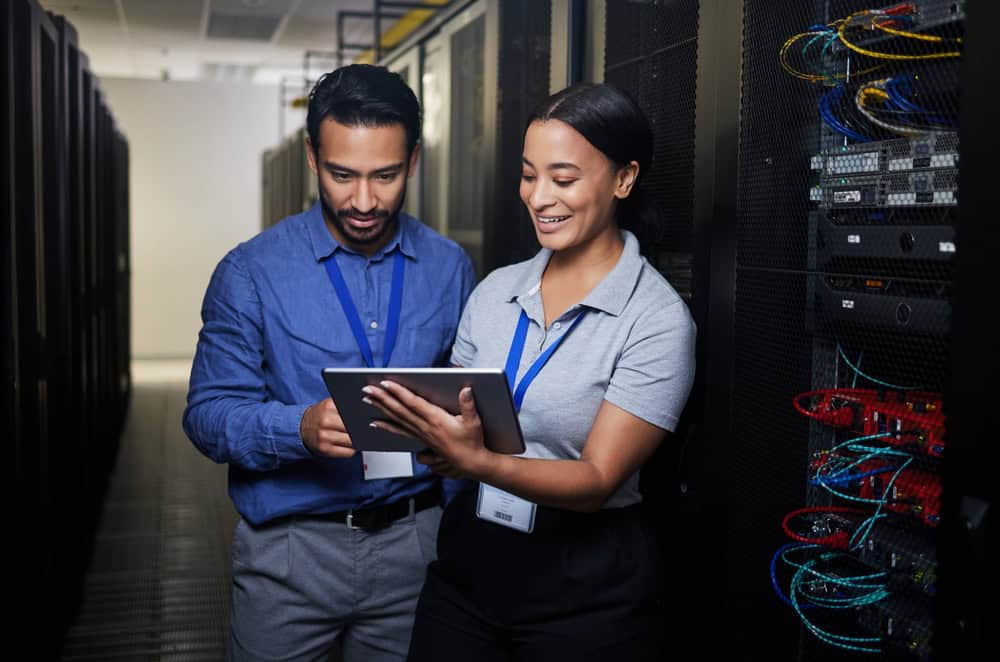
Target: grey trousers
point(302, 584)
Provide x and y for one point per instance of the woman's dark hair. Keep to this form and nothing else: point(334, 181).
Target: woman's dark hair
point(611, 120)
point(363, 95)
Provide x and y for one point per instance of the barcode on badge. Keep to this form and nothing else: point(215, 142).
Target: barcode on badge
point(502, 515)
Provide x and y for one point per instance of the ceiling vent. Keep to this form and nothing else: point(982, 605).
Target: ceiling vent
point(228, 72)
point(242, 26)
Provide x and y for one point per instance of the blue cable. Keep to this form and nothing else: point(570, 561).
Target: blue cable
point(900, 90)
point(774, 568)
point(826, 113)
point(849, 478)
point(882, 499)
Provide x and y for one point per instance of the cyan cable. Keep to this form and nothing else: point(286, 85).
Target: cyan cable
point(873, 379)
point(860, 644)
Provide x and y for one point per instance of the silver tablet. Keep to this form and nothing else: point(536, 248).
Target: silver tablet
point(501, 429)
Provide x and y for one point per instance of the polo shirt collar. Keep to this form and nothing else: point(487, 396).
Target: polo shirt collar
point(324, 245)
point(613, 292)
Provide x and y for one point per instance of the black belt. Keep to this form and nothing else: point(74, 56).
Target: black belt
point(374, 518)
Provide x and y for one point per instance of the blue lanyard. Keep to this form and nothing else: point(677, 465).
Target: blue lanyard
point(517, 349)
point(395, 305)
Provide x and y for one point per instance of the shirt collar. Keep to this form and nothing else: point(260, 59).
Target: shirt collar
point(613, 292)
point(324, 245)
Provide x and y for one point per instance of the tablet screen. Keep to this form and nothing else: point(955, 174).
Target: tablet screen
point(501, 429)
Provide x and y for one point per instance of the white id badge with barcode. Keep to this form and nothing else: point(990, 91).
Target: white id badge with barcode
point(386, 464)
point(504, 508)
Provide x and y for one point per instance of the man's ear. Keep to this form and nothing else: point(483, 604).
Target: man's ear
point(625, 179)
point(311, 156)
point(414, 158)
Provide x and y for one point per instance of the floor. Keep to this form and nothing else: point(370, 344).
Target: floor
point(158, 586)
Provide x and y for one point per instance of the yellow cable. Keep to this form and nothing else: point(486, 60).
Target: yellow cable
point(888, 56)
point(813, 78)
point(914, 35)
point(870, 91)
point(783, 59)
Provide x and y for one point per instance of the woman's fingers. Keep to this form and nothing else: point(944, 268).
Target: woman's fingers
point(389, 404)
point(467, 404)
point(396, 428)
point(438, 464)
point(410, 400)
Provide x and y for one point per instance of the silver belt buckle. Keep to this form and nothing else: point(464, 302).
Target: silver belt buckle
point(350, 521)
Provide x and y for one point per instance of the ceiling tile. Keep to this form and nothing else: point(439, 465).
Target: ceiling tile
point(176, 15)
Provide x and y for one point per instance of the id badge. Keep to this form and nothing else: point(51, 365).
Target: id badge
point(386, 464)
point(495, 505)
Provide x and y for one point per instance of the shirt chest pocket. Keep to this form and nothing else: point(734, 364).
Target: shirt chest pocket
point(299, 347)
point(428, 344)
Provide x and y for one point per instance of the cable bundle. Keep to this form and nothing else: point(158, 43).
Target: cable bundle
point(856, 107)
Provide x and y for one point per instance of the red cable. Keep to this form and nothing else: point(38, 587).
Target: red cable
point(837, 540)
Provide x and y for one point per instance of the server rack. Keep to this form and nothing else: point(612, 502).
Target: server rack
point(481, 69)
point(75, 477)
point(10, 410)
point(651, 50)
point(517, 54)
point(31, 449)
point(288, 185)
point(65, 312)
point(828, 201)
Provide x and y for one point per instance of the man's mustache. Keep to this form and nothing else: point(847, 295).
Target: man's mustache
point(354, 213)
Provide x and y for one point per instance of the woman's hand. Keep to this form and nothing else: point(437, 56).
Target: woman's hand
point(456, 439)
point(438, 464)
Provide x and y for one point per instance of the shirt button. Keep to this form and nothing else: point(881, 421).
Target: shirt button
point(374, 324)
point(557, 326)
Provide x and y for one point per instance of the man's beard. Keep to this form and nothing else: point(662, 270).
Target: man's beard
point(368, 237)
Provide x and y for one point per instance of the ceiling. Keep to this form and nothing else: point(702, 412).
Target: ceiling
point(260, 41)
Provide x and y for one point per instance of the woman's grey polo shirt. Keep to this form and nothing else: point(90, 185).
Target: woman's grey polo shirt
point(634, 348)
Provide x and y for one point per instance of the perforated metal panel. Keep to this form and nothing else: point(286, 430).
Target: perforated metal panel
point(522, 74)
point(847, 195)
point(651, 51)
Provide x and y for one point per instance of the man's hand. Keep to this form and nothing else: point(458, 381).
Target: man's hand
point(322, 431)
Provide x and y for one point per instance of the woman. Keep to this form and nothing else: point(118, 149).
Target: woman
point(550, 556)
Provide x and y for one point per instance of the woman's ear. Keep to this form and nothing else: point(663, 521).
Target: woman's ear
point(625, 179)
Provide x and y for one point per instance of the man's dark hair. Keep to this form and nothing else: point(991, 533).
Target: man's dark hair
point(363, 95)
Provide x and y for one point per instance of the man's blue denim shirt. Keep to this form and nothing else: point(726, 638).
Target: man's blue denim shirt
point(272, 322)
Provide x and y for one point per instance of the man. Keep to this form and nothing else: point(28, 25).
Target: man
point(331, 545)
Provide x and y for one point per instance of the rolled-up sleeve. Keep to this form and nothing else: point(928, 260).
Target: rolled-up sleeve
point(229, 415)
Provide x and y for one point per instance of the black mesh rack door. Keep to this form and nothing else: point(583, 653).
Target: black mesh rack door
point(846, 209)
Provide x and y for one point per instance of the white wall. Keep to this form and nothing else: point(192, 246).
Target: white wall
point(195, 193)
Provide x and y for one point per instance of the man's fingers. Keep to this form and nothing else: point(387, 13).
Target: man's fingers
point(333, 438)
point(339, 452)
point(332, 421)
point(332, 444)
